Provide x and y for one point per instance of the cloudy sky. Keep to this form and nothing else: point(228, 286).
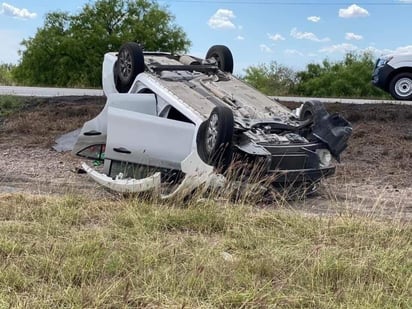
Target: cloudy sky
point(291, 32)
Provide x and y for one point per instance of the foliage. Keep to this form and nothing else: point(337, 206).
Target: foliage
point(72, 252)
point(350, 77)
point(271, 79)
point(10, 104)
point(68, 50)
point(6, 78)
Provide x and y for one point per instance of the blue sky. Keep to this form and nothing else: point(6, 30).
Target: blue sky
point(292, 33)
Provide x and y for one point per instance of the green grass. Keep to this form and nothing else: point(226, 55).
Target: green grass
point(10, 104)
point(70, 252)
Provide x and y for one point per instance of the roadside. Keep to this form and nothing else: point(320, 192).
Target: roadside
point(374, 176)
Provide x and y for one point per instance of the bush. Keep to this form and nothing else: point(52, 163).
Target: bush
point(6, 77)
point(272, 78)
point(350, 77)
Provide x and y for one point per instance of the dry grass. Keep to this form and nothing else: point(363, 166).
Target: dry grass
point(41, 120)
point(73, 252)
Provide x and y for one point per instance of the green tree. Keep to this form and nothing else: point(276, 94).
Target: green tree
point(271, 79)
point(350, 77)
point(68, 50)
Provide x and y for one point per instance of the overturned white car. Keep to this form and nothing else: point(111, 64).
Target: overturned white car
point(179, 122)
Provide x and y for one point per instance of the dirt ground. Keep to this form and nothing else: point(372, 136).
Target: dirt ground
point(373, 178)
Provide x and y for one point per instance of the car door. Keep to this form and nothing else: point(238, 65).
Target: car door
point(91, 140)
point(147, 139)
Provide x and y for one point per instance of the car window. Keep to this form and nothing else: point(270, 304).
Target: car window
point(96, 152)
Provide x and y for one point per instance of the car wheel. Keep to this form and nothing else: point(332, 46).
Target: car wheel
point(130, 63)
point(215, 138)
point(310, 109)
point(223, 57)
point(400, 86)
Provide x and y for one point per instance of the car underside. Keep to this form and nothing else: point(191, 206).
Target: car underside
point(178, 121)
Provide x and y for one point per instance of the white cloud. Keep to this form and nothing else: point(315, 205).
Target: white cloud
point(240, 38)
point(276, 37)
point(265, 48)
point(9, 10)
point(339, 48)
point(376, 51)
point(314, 19)
point(293, 52)
point(353, 11)
point(222, 19)
point(379, 52)
point(306, 36)
point(406, 1)
point(404, 49)
point(352, 36)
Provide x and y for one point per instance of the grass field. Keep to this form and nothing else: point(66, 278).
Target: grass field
point(70, 252)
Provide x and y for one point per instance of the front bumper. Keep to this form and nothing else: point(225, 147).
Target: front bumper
point(299, 177)
point(381, 76)
point(285, 165)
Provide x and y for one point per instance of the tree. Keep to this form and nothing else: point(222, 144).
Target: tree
point(350, 77)
point(68, 50)
point(271, 79)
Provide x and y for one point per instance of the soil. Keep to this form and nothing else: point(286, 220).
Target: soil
point(373, 178)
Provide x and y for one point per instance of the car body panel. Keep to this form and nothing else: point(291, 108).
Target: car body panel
point(148, 139)
point(400, 60)
point(155, 128)
point(94, 131)
point(108, 81)
point(124, 185)
point(170, 96)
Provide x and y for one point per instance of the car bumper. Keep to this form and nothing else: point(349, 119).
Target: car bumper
point(123, 185)
point(297, 177)
point(381, 76)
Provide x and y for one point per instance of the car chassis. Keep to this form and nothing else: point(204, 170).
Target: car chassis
point(175, 122)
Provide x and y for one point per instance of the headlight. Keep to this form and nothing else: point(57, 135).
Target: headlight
point(383, 60)
point(324, 157)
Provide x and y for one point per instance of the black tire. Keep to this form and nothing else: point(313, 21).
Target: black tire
point(130, 63)
point(310, 109)
point(214, 140)
point(223, 57)
point(400, 87)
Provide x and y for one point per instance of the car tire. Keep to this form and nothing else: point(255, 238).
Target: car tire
point(310, 109)
point(400, 86)
point(223, 57)
point(130, 63)
point(214, 140)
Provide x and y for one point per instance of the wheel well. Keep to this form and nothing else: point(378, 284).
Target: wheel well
point(145, 90)
point(396, 72)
